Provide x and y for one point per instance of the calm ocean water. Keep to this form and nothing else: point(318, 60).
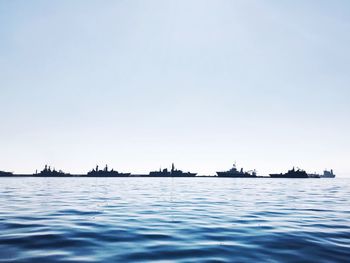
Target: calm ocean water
point(180, 219)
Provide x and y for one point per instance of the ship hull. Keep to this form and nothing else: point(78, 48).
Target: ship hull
point(327, 176)
point(160, 174)
point(108, 174)
point(234, 175)
point(287, 176)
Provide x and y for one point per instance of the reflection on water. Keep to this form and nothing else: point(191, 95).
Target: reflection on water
point(180, 219)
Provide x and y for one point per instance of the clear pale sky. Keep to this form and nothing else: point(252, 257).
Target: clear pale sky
point(140, 84)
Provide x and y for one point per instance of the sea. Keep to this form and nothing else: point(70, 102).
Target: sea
point(174, 220)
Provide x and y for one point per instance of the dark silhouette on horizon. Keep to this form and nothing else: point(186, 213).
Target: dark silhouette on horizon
point(172, 173)
point(48, 172)
point(294, 173)
point(106, 173)
point(2, 173)
point(328, 174)
point(234, 172)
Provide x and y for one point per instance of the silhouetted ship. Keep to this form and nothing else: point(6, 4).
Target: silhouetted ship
point(106, 173)
point(173, 173)
point(47, 172)
point(294, 173)
point(2, 173)
point(234, 172)
point(328, 174)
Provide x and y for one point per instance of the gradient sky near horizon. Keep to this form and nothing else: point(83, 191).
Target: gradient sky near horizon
point(141, 84)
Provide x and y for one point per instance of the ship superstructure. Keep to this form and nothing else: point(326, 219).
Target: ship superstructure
point(328, 174)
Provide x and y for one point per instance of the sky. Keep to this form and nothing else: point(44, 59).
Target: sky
point(140, 84)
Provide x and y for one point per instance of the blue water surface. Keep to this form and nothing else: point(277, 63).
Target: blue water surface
point(174, 220)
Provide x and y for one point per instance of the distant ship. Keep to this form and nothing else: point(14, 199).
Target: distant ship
point(47, 171)
point(172, 173)
point(2, 173)
point(234, 172)
point(106, 173)
point(294, 173)
point(328, 174)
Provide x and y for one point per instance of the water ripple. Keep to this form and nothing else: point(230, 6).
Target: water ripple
point(180, 219)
